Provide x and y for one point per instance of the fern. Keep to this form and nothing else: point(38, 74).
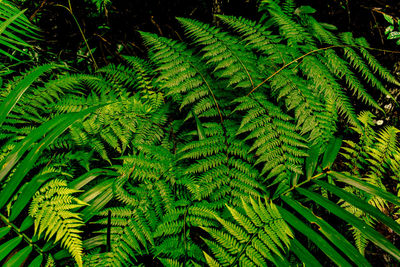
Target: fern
point(101, 5)
point(309, 110)
point(228, 60)
point(130, 233)
point(373, 159)
point(217, 155)
point(258, 235)
point(15, 30)
point(276, 145)
point(51, 209)
point(221, 150)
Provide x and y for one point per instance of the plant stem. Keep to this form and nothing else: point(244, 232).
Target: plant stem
point(18, 232)
point(311, 52)
point(319, 175)
point(69, 8)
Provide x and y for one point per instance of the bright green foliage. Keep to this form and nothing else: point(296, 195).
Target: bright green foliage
point(375, 156)
point(259, 234)
point(52, 209)
point(216, 151)
point(392, 31)
point(101, 5)
point(277, 145)
point(15, 29)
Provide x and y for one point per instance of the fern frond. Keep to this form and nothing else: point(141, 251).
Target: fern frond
point(228, 60)
point(254, 34)
point(51, 209)
point(326, 82)
point(16, 30)
point(292, 31)
point(220, 168)
point(309, 109)
point(276, 144)
point(258, 232)
point(182, 74)
point(373, 62)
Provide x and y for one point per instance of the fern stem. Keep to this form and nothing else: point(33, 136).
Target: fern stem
point(18, 232)
point(184, 236)
point(109, 231)
point(319, 175)
point(211, 92)
point(69, 8)
point(294, 61)
point(244, 248)
point(314, 51)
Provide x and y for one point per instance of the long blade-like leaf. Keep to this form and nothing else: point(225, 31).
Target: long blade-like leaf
point(11, 100)
point(15, 155)
point(19, 257)
point(331, 152)
point(4, 231)
point(8, 246)
point(97, 199)
point(366, 187)
point(312, 160)
point(37, 262)
point(6, 23)
point(27, 163)
point(321, 243)
point(362, 205)
point(367, 230)
point(27, 193)
point(330, 232)
point(91, 175)
point(303, 254)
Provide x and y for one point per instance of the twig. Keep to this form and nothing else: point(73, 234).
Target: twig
point(37, 10)
point(314, 51)
point(155, 24)
point(69, 9)
point(376, 24)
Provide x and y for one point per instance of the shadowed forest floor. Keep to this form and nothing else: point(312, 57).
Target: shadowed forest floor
point(125, 18)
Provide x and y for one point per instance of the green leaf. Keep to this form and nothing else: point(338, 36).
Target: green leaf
point(7, 247)
point(312, 160)
point(97, 197)
point(367, 230)
point(334, 236)
point(12, 159)
point(362, 205)
point(321, 243)
point(210, 261)
point(19, 257)
point(61, 123)
point(303, 254)
point(331, 152)
point(200, 129)
point(11, 100)
point(366, 187)
point(27, 193)
point(91, 175)
point(37, 262)
point(328, 26)
point(304, 10)
point(393, 35)
point(388, 18)
point(4, 230)
point(389, 29)
point(28, 222)
point(5, 24)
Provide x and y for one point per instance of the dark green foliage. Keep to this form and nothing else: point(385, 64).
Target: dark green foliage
point(220, 150)
point(15, 31)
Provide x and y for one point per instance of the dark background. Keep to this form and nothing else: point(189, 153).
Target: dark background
point(114, 30)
